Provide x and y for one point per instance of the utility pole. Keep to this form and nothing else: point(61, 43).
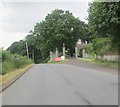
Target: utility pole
point(27, 49)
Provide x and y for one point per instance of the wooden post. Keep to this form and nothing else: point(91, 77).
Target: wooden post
point(27, 49)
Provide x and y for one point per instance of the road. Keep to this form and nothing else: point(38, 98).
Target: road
point(63, 84)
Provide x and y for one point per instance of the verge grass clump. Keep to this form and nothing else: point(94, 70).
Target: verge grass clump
point(12, 62)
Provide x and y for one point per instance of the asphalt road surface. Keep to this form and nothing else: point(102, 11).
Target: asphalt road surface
point(63, 84)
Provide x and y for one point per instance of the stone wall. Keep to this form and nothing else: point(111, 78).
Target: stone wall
point(111, 57)
point(105, 57)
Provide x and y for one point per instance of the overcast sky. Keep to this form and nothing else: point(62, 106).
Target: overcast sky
point(18, 18)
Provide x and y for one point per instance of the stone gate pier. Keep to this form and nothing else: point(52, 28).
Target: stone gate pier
point(80, 49)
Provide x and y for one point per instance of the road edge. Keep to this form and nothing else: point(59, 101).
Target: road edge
point(10, 82)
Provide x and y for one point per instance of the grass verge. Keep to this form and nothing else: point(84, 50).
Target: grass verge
point(7, 79)
point(113, 64)
point(60, 62)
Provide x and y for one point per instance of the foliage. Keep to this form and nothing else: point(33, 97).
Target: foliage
point(101, 46)
point(104, 21)
point(58, 27)
point(12, 61)
point(18, 48)
point(6, 56)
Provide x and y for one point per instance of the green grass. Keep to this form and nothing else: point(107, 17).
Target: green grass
point(4, 79)
point(13, 65)
point(60, 62)
point(10, 62)
point(113, 64)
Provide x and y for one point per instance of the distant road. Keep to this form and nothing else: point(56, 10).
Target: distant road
point(62, 84)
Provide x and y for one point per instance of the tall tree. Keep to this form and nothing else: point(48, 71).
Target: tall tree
point(59, 27)
point(18, 48)
point(104, 20)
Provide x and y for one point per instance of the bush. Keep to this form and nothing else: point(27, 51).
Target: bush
point(21, 61)
point(102, 46)
point(13, 61)
point(7, 67)
point(6, 56)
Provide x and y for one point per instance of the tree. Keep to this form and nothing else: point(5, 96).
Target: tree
point(18, 48)
point(34, 51)
point(59, 27)
point(104, 20)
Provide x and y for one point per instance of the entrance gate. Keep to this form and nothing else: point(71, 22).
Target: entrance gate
point(80, 50)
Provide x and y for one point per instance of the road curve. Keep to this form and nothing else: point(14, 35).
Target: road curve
point(62, 84)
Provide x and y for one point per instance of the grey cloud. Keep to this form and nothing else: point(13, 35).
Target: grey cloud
point(27, 14)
